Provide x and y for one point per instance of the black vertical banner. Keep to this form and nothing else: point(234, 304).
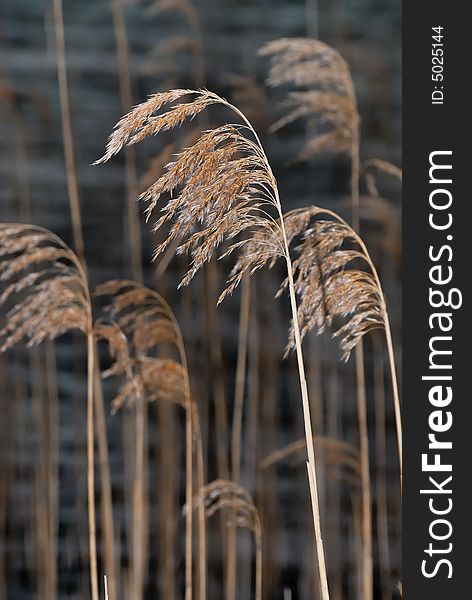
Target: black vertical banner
point(437, 331)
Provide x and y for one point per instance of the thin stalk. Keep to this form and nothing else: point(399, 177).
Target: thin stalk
point(192, 426)
point(91, 367)
point(218, 390)
point(167, 470)
point(200, 471)
point(41, 504)
point(334, 400)
point(105, 483)
point(396, 398)
point(67, 137)
point(138, 493)
point(167, 502)
point(53, 463)
point(253, 392)
point(243, 335)
point(188, 500)
point(188, 456)
point(265, 478)
point(138, 499)
point(311, 465)
point(380, 449)
point(124, 71)
point(258, 536)
point(237, 428)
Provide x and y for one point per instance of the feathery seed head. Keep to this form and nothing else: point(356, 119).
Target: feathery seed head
point(327, 102)
point(220, 186)
point(140, 322)
point(47, 283)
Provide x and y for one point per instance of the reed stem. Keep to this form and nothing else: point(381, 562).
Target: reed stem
point(237, 427)
point(90, 463)
point(131, 178)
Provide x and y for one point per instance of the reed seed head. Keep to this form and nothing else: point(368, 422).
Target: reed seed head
point(326, 99)
point(334, 279)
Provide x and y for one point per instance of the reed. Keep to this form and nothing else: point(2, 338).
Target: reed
point(219, 495)
point(227, 187)
point(328, 100)
point(236, 431)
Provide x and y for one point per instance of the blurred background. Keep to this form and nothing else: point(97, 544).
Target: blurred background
point(116, 52)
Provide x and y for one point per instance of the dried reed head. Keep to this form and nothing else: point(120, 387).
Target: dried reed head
point(223, 494)
point(46, 281)
point(221, 186)
point(334, 278)
point(140, 322)
point(327, 101)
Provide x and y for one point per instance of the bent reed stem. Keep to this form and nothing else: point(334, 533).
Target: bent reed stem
point(311, 464)
point(366, 504)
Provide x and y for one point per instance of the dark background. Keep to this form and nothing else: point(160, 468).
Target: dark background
point(33, 188)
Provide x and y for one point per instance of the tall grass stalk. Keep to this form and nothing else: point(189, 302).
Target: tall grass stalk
point(240, 384)
point(380, 482)
point(143, 321)
point(134, 127)
point(76, 219)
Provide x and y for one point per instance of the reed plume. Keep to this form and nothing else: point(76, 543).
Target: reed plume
point(327, 99)
point(140, 322)
point(48, 285)
point(330, 100)
point(332, 295)
point(220, 495)
point(225, 187)
point(330, 292)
